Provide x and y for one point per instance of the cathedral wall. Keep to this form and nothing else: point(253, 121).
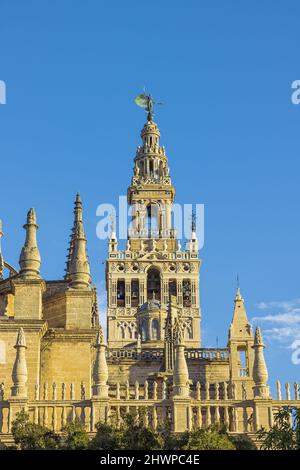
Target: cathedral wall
point(54, 311)
point(67, 361)
point(209, 371)
point(8, 355)
point(132, 371)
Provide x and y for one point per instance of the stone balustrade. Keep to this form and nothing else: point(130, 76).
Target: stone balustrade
point(210, 403)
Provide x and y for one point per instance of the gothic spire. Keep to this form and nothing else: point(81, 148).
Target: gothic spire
point(30, 259)
point(240, 325)
point(78, 269)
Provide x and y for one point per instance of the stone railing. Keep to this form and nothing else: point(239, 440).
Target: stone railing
point(211, 354)
point(122, 255)
point(153, 403)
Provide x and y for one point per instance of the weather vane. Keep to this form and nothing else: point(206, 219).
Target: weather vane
point(146, 102)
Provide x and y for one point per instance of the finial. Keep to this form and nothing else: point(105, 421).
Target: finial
point(20, 339)
point(100, 337)
point(146, 102)
point(30, 259)
point(258, 340)
point(19, 373)
point(78, 269)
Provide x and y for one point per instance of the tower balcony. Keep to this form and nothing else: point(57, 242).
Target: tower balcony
point(152, 233)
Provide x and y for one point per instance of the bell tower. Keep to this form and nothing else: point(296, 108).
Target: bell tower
point(141, 279)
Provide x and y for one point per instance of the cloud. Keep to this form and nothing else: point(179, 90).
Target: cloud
point(282, 323)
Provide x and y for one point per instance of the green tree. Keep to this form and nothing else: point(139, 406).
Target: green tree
point(285, 433)
point(107, 438)
point(136, 436)
point(33, 436)
point(75, 436)
point(210, 438)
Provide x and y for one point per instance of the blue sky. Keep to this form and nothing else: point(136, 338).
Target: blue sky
point(224, 72)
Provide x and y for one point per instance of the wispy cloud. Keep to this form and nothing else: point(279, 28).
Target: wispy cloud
point(282, 322)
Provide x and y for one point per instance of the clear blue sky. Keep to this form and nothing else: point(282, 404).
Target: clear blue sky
point(224, 71)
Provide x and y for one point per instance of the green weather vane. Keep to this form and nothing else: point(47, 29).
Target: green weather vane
point(146, 102)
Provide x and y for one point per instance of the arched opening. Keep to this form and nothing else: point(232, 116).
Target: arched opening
point(155, 329)
point(152, 219)
point(144, 330)
point(121, 293)
point(122, 332)
point(153, 284)
point(186, 293)
point(135, 293)
point(173, 287)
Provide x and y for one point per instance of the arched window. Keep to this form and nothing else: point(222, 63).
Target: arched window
point(173, 287)
point(121, 293)
point(186, 292)
point(122, 332)
point(155, 329)
point(144, 330)
point(152, 218)
point(153, 284)
point(135, 293)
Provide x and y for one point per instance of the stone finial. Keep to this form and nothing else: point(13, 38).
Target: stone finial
point(296, 390)
point(2, 391)
point(100, 371)
point(137, 390)
point(155, 390)
point(20, 374)
point(146, 390)
point(198, 391)
point(45, 391)
point(278, 389)
point(287, 391)
point(54, 391)
point(127, 390)
point(63, 391)
point(260, 372)
point(30, 259)
point(82, 391)
point(72, 391)
point(78, 268)
point(181, 373)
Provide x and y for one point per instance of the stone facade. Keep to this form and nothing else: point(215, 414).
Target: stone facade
point(54, 360)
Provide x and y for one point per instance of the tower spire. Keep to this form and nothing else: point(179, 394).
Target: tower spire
point(78, 269)
point(30, 259)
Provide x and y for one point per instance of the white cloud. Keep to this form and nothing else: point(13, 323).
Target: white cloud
point(282, 324)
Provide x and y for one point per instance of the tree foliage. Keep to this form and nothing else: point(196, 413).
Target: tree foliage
point(285, 433)
point(75, 436)
point(133, 434)
point(33, 436)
